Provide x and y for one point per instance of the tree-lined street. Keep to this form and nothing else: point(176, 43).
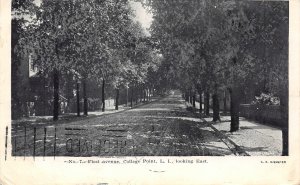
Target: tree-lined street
point(77, 57)
point(163, 127)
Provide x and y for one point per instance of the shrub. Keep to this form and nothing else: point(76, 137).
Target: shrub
point(266, 99)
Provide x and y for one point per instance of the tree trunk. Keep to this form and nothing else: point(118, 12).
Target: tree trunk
point(136, 95)
point(225, 103)
point(206, 106)
point(285, 119)
point(149, 94)
point(85, 103)
point(126, 96)
point(139, 92)
point(285, 141)
point(185, 97)
point(78, 99)
point(103, 95)
point(55, 95)
point(45, 97)
point(216, 108)
point(117, 99)
point(69, 91)
point(143, 99)
point(131, 97)
point(143, 95)
point(194, 100)
point(200, 94)
point(234, 109)
point(139, 95)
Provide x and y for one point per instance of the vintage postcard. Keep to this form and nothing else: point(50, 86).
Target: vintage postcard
point(149, 92)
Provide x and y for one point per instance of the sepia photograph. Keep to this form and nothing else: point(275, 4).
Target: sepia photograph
point(149, 78)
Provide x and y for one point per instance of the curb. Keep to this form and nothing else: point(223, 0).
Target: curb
point(236, 149)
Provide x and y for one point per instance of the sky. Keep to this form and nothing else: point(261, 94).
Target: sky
point(144, 17)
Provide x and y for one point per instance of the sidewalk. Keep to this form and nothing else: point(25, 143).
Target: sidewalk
point(69, 117)
point(253, 138)
point(41, 120)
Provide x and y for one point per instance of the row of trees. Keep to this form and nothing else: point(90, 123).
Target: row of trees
point(88, 39)
point(209, 47)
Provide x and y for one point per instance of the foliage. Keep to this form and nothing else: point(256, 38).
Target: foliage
point(266, 99)
point(221, 44)
point(89, 39)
